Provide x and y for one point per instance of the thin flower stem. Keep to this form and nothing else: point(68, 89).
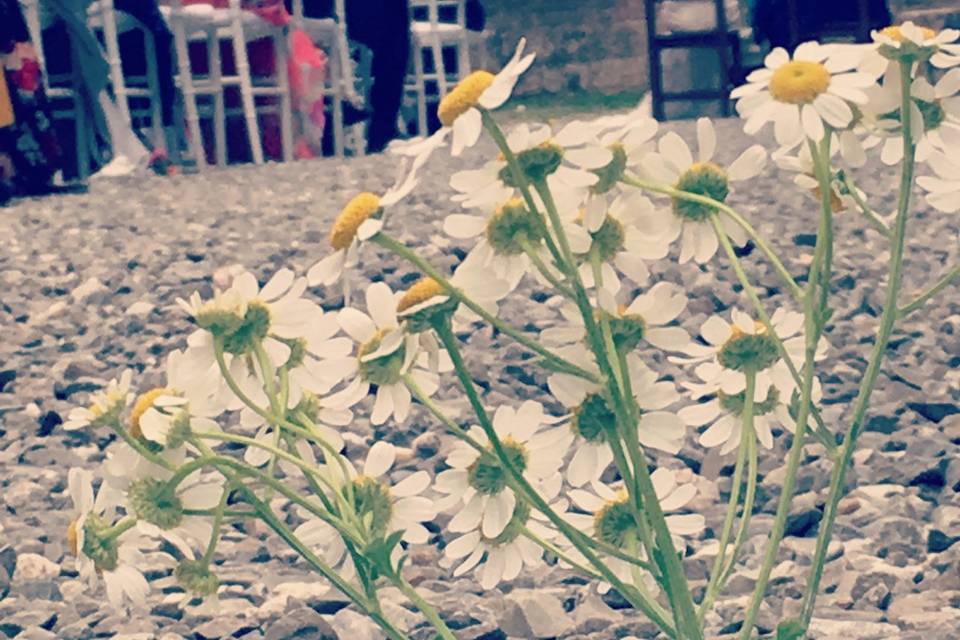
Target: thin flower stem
point(428, 611)
point(544, 269)
point(716, 572)
point(371, 609)
point(821, 432)
point(138, 446)
point(864, 208)
point(445, 333)
point(884, 331)
point(795, 290)
point(812, 313)
point(215, 531)
point(747, 512)
point(120, 528)
point(555, 361)
point(559, 553)
point(923, 297)
point(821, 158)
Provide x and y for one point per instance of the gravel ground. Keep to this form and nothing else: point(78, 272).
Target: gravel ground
point(88, 287)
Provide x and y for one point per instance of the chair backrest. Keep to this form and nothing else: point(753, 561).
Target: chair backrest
point(339, 11)
point(440, 11)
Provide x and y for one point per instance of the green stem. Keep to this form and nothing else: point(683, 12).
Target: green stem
point(747, 512)
point(741, 221)
point(923, 297)
point(120, 528)
point(138, 446)
point(544, 270)
point(716, 572)
point(555, 361)
point(445, 333)
point(428, 611)
point(217, 523)
point(865, 209)
point(320, 566)
point(813, 305)
point(821, 158)
point(885, 330)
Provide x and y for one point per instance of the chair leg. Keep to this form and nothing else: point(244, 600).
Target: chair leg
point(421, 88)
point(337, 82)
point(109, 17)
point(189, 95)
point(286, 108)
point(246, 91)
point(219, 111)
point(153, 84)
point(439, 66)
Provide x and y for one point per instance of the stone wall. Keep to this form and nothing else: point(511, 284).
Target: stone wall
point(593, 45)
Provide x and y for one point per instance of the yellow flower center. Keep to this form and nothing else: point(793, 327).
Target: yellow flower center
point(464, 96)
point(799, 82)
point(351, 217)
point(73, 538)
point(895, 33)
point(421, 291)
point(144, 402)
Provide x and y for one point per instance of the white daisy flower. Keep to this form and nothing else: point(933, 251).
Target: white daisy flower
point(674, 164)
point(479, 483)
point(647, 318)
point(105, 403)
point(458, 109)
point(361, 219)
point(943, 188)
point(724, 414)
point(801, 164)
point(390, 508)
point(942, 47)
point(732, 348)
point(99, 552)
point(803, 95)
point(934, 116)
point(609, 518)
point(501, 558)
point(162, 515)
point(593, 418)
point(385, 353)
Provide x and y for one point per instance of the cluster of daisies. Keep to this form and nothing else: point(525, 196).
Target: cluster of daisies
point(276, 376)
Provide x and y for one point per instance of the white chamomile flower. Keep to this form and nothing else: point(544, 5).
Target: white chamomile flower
point(803, 95)
point(723, 412)
point(609, 518)
point(479, 483)
point(801, 164)
point(507, 238)
point(458, 110)
point(647, 319)
point(501, 558)
point(385, 354)
point(593, 418)
point(934, 116)
point(674, 163)
point(361, 219)
point(162, 512)
point(105, 549)
point(733, 348)
point(103, 404)
point(943, 188)
point(940, 47)
point(389, 507)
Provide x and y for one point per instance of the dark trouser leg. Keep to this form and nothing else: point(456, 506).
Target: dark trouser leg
point(384, 26)
point(148, 12)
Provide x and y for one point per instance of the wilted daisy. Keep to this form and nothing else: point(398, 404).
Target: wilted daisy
point(609, 518)
point(943, 188)
point(479, 482)
point(724, 414)
point(502, 557)
point(104, 404)
point(385, 353)
point(105, 549)
point(389, 508)
point(361, 219)
point(690, 221)
point(593, 419)
point(803, 95)
point(891, 43)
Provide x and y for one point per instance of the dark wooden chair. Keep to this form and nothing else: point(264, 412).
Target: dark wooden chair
point(721, 39)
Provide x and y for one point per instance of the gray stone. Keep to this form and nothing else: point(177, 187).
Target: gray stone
point(34, 567)
point(302, 622)
point(541, 613)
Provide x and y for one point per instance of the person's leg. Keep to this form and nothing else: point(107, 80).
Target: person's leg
point(148, 12)
point(384, 26)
